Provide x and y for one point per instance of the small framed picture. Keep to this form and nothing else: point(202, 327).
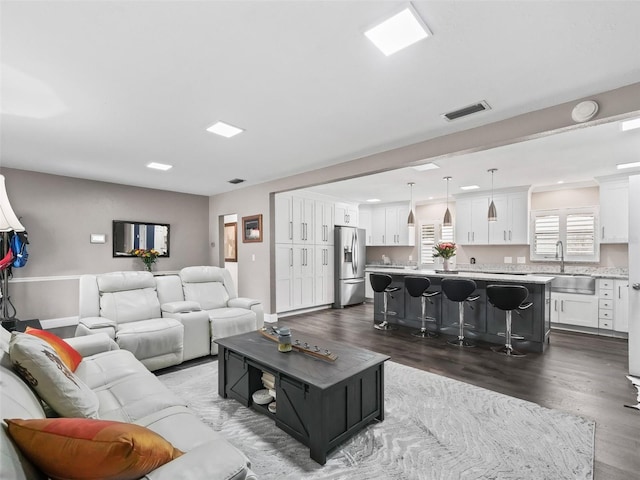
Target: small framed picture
point(231, 242)
point(252, 229)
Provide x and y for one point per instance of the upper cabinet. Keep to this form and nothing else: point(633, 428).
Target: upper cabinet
point(472, 226)
point(324, 214)
point(386, 225)
point(511, 228)
point(614, 210)
point(346, 214)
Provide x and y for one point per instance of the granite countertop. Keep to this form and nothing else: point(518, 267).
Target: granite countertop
point(504, 277)
point(529, 270)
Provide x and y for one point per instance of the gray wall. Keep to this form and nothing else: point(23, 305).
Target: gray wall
point(60, 213)
point(256, 277)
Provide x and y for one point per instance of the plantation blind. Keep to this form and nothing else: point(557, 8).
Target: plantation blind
point(546, 233)
point(581, 234)
point(427, 242)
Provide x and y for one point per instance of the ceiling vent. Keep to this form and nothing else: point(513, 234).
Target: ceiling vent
point(463, 112)
point(236, 181)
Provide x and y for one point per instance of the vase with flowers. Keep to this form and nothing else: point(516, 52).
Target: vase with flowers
point(445, 250)
point(148, 256)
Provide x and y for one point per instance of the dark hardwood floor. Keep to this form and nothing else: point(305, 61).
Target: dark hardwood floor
point(579, 373)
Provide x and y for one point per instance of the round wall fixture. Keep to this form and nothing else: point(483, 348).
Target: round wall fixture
point(584, 111)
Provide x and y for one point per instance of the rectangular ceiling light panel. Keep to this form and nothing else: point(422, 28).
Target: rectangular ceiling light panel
point(224, 129)
point(622, 166)
point(398, 32)
point(159, 166)
point(469, 187)
point(631, 124)
point(426, 166)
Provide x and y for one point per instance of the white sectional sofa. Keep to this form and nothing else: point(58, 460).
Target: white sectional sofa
point(166, 319)
point(127, 392)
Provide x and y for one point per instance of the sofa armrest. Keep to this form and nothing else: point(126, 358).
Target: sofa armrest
point(242, 302)
point(180, 307)
point(92, 344)
point(214, 460)
point(250, 304)
point(92, 325)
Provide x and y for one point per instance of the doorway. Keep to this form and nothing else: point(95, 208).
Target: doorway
point(230, 240)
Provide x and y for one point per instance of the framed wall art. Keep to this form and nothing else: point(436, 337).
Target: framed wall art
point(252, 229)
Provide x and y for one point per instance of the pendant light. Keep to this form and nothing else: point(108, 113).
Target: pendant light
point(411, 220)
point(492, 215)
point(446, 222)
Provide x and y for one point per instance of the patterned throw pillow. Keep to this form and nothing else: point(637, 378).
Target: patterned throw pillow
point(84, 449)
point(38, 363)
point(66, 352)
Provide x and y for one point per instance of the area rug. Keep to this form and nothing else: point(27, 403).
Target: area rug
point(434, 428)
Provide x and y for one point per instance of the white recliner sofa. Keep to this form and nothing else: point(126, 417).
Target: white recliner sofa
point(166, 319)
point(126, 392)
point(212, 288)
point(125, 306)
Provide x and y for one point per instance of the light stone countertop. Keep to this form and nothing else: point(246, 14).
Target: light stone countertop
point(498, 277)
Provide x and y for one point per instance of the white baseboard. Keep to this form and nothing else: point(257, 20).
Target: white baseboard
point(303, 310)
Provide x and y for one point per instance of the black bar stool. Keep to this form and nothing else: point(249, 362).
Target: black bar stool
point(417, 287)
point(381, 284)
point(508, 298)
point(460, 290)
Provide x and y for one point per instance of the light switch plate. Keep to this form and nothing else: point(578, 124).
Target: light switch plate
point(508, 259)
point(522, 259)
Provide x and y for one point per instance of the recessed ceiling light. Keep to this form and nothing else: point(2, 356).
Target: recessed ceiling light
point(224, 129)
point(631, 124)
point(373, 200)
point(398, 32)
point(426, 166)
point(469, 187)
point(620, 166)
point(159, 166)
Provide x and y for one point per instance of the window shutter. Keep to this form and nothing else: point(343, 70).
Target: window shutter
point(546, 233)
point(427, 242)
point(581, 234)
point(447, 234)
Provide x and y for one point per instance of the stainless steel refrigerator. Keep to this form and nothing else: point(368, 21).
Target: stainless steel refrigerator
point(350, 257)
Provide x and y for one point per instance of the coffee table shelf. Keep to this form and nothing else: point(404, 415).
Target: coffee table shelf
point(320, 404)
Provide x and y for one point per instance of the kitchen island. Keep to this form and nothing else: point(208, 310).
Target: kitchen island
point(487, 322)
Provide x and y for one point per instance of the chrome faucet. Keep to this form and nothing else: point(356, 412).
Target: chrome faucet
point(559, 242)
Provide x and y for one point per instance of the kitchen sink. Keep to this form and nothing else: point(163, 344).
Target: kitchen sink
point(567, 283)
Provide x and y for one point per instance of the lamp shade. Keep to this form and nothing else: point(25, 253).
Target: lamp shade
point(8, 219)
point(492, 216)
point(446, 222)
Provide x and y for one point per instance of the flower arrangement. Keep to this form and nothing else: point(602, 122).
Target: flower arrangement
point(446, 250)
point(148, 256)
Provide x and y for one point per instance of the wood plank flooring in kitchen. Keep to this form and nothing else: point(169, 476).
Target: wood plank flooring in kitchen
point(579, 373)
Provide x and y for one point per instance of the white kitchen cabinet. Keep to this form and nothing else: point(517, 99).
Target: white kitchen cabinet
point(365, 221)
point(346, 214)
point(378, 226)
point(284, 277)
point(324, 278)
point(574, 309)
point(323, 225)
point(396, 229)
point(621, 306)
point(472, 226)
point(512, 226)
point(614, 211)
point(294, 277)
point(368, 289)
point(303, 220)
point(284, 218)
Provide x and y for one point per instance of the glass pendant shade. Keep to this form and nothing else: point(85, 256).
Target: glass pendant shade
point(446, 221)
point(411, 221)
point(492, 214)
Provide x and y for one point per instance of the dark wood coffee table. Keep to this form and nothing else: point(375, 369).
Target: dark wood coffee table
point(319, 403)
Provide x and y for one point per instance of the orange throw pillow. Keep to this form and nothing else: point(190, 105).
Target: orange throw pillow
point(84, 448)
point(69, 355)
